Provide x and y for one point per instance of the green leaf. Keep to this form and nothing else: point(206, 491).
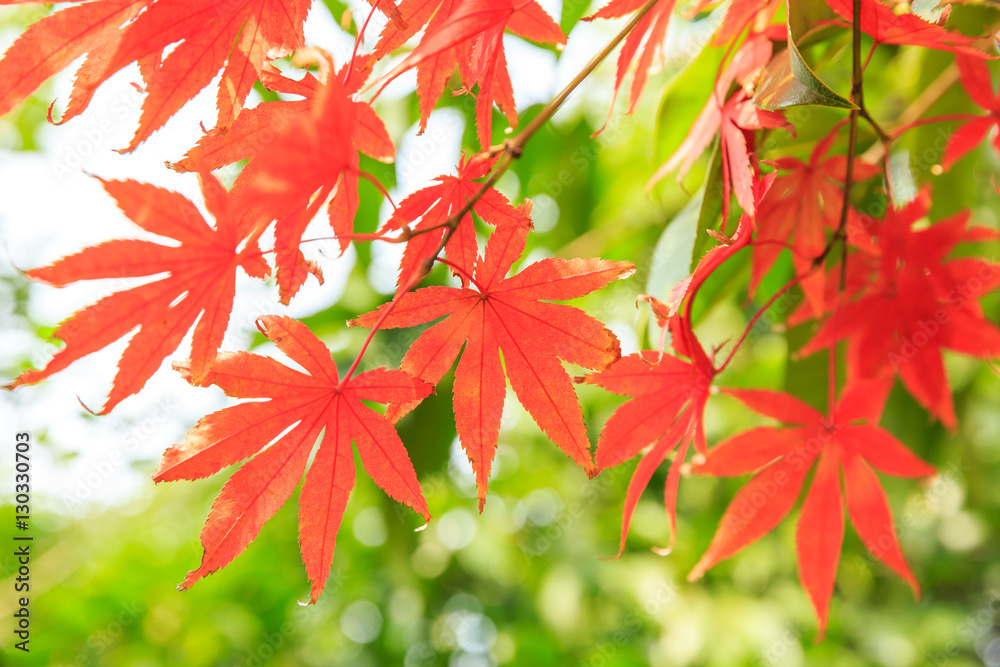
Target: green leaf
point(805, 18)
point(788, 80)
point(686, 44)
point(572, 12)
point(711, 203)
point(902, 185)
point(807, 378)
point(687, 39)
point(685, 236)
point(337, 10)
point(671, 261)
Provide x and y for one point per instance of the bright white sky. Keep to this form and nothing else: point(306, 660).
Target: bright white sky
point(50, 207)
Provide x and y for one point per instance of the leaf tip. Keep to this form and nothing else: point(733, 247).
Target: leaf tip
point(49, 117)
point(105, 411)
point(184, 368)
point(627, 270)
point(261, 324)
point(192, 576)
point(312, 600)
point(10, 260)
point(700, 568)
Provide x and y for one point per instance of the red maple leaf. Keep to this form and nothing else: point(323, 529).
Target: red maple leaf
point(294, 174)
point(916, 305)
point(432, 72)
point(432, 207)
point(260, 126)
point(735, 119)
point(649, 34)
point(201, 283)
point(800, 206)
point(848, 441)
point(978, 84)
point(236, 37)
point(469, 34)
point(666, 411)
point(255, 128)
point(497, 314)
point(308, 403)
point(861, 236)
point(888, 27)
point(669, 394)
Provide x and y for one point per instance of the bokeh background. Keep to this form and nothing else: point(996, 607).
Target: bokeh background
point(521, 584)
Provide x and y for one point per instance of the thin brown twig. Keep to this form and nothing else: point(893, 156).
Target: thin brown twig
point(857, 97)
point(919, 106)
point(763, 309)
point(511, 149)
point(884, 137)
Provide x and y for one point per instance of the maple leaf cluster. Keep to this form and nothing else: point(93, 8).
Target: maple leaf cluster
point(889, 287)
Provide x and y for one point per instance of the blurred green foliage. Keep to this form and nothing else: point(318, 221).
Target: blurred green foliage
point(522, 583)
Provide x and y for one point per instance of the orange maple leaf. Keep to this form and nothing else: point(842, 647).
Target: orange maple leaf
point(430, 208)
point(649, 34)
point(265, 124)
point(499, 314)
point(294, 174)
point(236, 37)
point(309, 403)
point(199, 287)
point(804, 201)
point(468, 34)
point(667, 411)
